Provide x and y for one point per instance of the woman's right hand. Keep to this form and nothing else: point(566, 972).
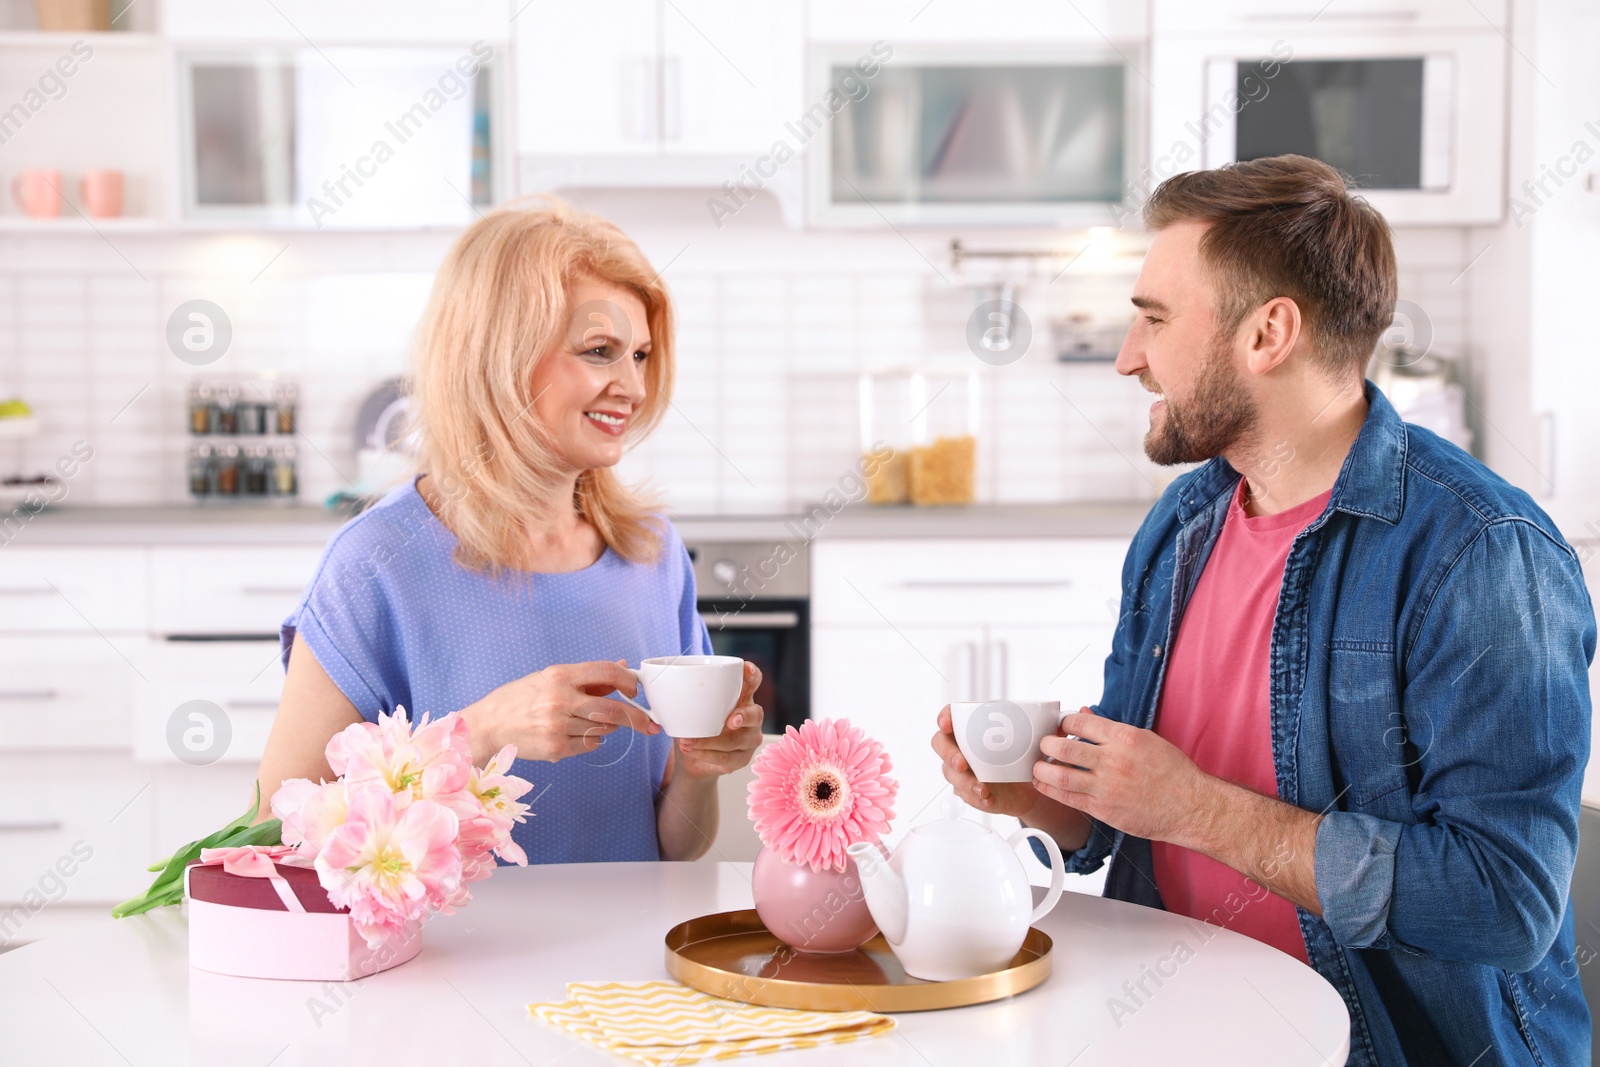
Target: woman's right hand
point(558, 712)
point(996, 798)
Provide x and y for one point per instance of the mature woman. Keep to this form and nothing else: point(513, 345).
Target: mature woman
point(513, 576)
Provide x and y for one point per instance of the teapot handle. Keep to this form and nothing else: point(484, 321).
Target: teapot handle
point(1058, 869)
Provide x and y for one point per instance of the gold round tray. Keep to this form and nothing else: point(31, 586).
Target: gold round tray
point(731, 955)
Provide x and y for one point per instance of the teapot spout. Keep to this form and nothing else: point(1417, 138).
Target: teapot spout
point(885, 890)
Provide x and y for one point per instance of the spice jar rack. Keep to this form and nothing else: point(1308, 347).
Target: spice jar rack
point(241, 441)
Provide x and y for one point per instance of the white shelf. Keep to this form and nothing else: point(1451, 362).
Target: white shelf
point(64, 41)
point(77, 224)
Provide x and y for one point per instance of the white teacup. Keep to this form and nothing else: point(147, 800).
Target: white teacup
point(690, 696)
point(1000, 738)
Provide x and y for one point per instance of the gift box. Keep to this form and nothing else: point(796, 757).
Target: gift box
point(280, 925)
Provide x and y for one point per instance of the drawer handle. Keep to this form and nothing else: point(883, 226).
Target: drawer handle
point(751, 620)
point(29, 694)
point(214, 638)
point(982, 583)
point(30, 827)
point(243, 705)
point(273, 590)
point(27, 590)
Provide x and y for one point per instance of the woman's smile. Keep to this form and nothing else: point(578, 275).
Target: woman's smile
point(614, 423)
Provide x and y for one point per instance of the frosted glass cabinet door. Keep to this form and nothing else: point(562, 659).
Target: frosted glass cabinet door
point(937, 140)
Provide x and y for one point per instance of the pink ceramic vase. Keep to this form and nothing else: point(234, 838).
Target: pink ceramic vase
point(813, 911)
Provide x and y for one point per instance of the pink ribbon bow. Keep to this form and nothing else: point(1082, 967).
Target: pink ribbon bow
point(258, 861)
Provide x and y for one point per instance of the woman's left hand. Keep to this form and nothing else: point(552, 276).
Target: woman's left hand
point(708, 757)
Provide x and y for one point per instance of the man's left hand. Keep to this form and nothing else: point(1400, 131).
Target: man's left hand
point(1131, 779)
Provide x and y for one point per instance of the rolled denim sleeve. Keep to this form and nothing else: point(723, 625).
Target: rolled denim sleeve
point(1497, 672)
point(1355, 857)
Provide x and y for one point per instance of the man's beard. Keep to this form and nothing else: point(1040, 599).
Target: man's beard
point(1217, 416)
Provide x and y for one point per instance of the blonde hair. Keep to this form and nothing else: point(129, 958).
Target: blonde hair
point(499, 303)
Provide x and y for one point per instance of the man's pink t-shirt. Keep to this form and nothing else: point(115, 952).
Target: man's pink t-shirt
point(1215, 707)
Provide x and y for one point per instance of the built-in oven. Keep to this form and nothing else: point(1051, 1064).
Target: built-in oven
point(1408, 98)
point(755, 600)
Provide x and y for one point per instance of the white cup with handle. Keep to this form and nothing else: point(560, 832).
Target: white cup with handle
point(1000, 738)
point(690, 696)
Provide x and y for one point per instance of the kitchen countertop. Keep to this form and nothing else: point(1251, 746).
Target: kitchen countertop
point(309, 525)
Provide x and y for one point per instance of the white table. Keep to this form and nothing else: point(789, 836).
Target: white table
point(124, 992)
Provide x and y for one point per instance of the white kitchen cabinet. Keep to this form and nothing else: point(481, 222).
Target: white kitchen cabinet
point(901, 627)
point(730, 76)
point(89, 787)
point(59, 590)
point(995, 22)
point(1063, 663)
point(361, 22)
point(74, 830)
point(225, 590)
point(242, 680)
point(1380, 16)
point(967, 580)
point(586, 91)
point(191, 802)
point(71, 691)
point(662, 79)
point(891, 682)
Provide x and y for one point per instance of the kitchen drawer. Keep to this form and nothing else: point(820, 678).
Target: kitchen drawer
point(215, 590)
point(73, 830)
point(72, 691)
point(72, 590)
point(192, 802)
point(954, 581)
point(242, 679)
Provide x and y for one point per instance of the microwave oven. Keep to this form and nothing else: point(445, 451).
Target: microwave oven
point(1415, 117)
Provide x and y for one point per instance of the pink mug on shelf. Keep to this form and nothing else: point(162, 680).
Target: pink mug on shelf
point(101, 193)
point(38, 193)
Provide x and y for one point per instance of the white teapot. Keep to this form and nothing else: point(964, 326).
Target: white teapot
point(954, 901)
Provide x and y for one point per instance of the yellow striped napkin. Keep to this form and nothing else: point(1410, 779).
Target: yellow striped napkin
point(657, 1023)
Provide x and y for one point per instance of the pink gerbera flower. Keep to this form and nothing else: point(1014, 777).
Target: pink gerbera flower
point(821, 788)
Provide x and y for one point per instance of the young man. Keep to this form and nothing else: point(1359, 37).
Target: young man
point(1346, 710)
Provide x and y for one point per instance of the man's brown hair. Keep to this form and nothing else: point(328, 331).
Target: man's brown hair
point(1289, 226)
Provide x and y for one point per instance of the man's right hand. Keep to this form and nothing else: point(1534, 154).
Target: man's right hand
point(1069, 826)
point(998, 798)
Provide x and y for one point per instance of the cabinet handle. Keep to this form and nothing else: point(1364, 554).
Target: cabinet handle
point(982, 583)
point(641, 97)
point(29, 694)
point(242, 705)
point(41, 826)
point(1369, 15)
point(671, 99)
point(972, 669)
point(1005, 670)
point(27, 590)
point(272, 590)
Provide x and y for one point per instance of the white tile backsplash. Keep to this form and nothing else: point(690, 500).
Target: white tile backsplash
point(766, 416)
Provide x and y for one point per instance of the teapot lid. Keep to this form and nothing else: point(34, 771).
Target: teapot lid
point(950, 823)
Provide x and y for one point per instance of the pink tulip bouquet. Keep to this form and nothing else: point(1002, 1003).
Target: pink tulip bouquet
point(405, 828)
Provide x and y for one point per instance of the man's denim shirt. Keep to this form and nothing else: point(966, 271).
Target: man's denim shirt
point(1430, 695)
